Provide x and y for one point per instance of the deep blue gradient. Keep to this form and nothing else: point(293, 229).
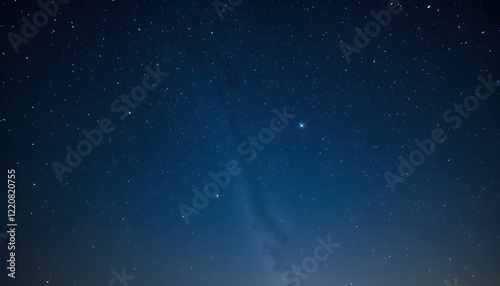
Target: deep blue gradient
point(321, 175)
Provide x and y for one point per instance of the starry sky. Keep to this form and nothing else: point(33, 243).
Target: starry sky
point(240, 142)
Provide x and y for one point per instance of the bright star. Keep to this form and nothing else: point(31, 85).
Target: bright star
point(301, 125)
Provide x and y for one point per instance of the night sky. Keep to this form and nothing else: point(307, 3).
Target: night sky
point(237, 142)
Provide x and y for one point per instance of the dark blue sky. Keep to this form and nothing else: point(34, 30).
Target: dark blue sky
point(167, 93)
